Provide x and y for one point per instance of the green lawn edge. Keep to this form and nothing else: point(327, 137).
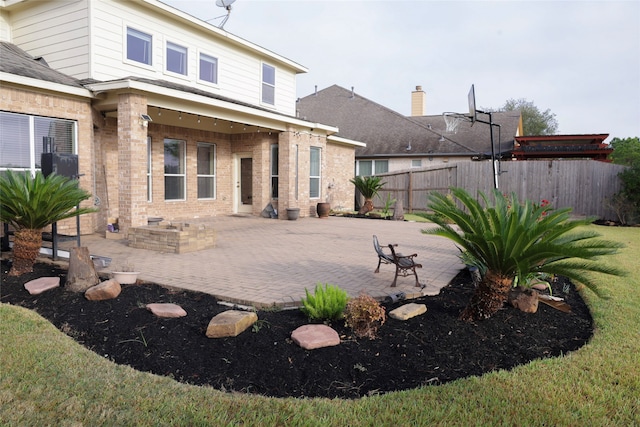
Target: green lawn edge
point(46, 378)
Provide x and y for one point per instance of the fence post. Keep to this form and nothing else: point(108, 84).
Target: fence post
point(410, 192)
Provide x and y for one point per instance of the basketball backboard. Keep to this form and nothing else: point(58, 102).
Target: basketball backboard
point(472, 104)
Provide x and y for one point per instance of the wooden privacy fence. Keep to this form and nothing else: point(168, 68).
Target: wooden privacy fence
point(584, 185)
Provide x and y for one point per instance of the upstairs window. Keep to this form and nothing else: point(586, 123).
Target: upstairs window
point(208, 68)
point(268, 84)
point(176, 58)
point(138, 46)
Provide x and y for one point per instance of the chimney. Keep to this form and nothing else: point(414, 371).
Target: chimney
point(418, 102)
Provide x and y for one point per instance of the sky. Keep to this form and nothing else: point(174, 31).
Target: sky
point(578, 59)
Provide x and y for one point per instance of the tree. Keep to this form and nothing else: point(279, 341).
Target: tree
point(625, 151)
point(29, 204)
point(534, 121)
point(512, 239)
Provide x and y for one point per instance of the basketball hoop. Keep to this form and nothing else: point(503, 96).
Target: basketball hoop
point(452, 121)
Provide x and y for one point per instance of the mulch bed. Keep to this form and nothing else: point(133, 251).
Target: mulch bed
point(430, 349)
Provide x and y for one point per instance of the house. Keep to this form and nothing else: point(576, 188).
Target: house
point(397, 142)
point(571, 147)
point(169, 116)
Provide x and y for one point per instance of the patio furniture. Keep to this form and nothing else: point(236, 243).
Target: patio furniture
point(405, 264)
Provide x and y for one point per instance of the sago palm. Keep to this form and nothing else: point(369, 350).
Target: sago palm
point(368, 186)
point(29, 204)
point(512, 239)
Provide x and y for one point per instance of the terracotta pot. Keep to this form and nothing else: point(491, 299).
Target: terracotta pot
point(323, 209)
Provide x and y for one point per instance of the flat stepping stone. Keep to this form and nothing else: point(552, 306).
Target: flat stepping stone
point(38, 286)
point(230, 323)
point(407, 311)
point(109, 289)
point(167, 310)
point(311, 337)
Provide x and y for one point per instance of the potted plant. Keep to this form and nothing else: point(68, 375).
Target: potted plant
point(368, 186)
point(125, 274)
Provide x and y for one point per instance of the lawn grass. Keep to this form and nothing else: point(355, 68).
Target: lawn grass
point(48, 379)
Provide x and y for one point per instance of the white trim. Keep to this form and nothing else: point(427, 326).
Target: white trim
point(340, 140)
point(128, 84)
point(45, 85)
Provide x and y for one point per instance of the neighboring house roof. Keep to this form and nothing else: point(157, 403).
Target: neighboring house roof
point(14, 60)
point(388, 133)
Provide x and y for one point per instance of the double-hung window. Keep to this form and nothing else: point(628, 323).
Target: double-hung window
point(314, 173)
point(174, 169)
point(138, 46)
point(23, 138)
point(274, 171)
point(176, 58)
point(149, 170)
point(206, 170)
point(208, 69)
point(268, 84)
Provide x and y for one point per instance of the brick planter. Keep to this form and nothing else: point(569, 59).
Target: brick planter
point(179, 238)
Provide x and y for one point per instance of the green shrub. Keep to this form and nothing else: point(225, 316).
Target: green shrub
point(364, 315)
point(326, 303)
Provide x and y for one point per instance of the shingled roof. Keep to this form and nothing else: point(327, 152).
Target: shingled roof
point(14, 60)
point(388, 133)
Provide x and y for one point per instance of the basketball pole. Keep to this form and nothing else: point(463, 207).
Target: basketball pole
point(493, 149)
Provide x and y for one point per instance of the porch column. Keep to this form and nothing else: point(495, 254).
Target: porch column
point(132, 165)
point(286, 172)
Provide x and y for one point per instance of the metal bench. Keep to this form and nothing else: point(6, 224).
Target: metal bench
point(405, 264)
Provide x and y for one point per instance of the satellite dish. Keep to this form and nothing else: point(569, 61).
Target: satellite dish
point(227, 5)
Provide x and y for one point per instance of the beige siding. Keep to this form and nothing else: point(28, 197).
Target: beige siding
point(5, 32)
point(56, 30)
point(239, 70)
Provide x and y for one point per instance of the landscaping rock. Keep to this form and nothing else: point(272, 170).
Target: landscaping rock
point(311, 337)
point(525, 300)
point(38, 286)
point(230, 323)
point(166, 310)
point(408, 311)
point(109, 289)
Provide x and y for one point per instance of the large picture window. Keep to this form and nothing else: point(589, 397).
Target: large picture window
point(174, 169)
point(23, 138)
point(268, 84)
point(314, 173)
point(208, 69)
point(176, 58)
point(206, 171)
point(138, 46)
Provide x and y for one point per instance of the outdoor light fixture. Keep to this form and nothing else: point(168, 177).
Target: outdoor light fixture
point(145, 119)
point(180, 116)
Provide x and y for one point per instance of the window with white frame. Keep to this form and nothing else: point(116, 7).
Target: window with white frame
point(268, 84)
point(314, 173)
point(176, 58)
point(208, 69)
point(22, 139)
point(174, 169)
point(149, 189)
point(274, 171)
point(416, 163)
point(206, 170)
point(371, 167)
point(138, 46)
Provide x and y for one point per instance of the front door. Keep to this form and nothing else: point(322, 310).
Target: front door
point(243, 177)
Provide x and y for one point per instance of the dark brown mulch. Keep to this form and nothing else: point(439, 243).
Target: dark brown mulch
point(427, 350)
